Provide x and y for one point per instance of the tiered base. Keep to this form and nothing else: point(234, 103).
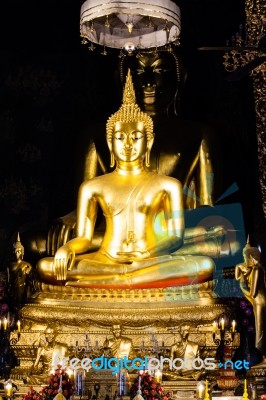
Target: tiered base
point(84, 321)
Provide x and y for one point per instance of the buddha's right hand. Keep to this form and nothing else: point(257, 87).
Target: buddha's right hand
point(63, 262)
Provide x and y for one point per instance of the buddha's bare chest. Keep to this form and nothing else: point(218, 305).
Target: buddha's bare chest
point(129, 197)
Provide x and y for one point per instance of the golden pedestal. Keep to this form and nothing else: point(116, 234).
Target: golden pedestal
point(83, 320)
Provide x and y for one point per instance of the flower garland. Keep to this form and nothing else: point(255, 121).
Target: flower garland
point(51, 390)
point(32, 395)
point(150, 388)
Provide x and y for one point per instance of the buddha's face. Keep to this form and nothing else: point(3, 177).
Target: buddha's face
point(49, 335)
point(184, 332)
point(117, 332)
point(19, 253)
point(129, 142)
point(155, 80)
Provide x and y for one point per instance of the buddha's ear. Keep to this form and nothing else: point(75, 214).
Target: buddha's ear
point(148, 152)
point(150, 142)
point(112, 157)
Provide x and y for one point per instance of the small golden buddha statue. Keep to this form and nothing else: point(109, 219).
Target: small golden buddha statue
point(144, 216)
point(184, 349)
point(252, 277)
point(48, 356)
point(20, 273)
point(119, 345)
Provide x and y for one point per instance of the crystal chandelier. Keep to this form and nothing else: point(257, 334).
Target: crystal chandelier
point(129, 24)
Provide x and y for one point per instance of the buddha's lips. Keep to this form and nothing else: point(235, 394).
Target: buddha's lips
point(149, 94)
point(128, 152)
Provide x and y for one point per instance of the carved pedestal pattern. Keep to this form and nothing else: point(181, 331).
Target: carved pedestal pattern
point(86, 318)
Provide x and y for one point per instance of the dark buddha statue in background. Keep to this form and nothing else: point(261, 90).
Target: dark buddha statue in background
point(185, 150)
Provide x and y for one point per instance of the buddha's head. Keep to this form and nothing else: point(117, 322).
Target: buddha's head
point(18, 249)
point(251, 255)
point(117, 330)
point(129, 130)
point(49, 334)
point(158, 79)
point(184, 331)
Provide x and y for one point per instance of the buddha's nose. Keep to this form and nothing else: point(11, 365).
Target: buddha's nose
point(128, 142)
point(149, 81)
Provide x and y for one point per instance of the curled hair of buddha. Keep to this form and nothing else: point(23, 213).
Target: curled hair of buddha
point(129, 112)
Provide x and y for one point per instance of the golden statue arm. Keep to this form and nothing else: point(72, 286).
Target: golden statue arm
point(173, 221)
point(65, 255)
point(254, 282)
point(241, 274)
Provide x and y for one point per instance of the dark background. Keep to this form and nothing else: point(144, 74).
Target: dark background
point(52, 88)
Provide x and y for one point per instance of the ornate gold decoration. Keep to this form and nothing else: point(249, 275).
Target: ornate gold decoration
point(163, 314)
point(255, 27)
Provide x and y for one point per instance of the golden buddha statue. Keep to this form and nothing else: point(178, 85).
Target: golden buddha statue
point(19, 275)
point(251, 274)
point(144, 216)
point(120, 346)
point(186, 150)
point(49, 353)
point(187, 350)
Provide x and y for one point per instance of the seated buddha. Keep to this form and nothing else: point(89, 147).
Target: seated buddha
point(186, 150)
point(144, 216)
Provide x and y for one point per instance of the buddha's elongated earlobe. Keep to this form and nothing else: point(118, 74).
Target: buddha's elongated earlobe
point(112, 159)
point(147, 158)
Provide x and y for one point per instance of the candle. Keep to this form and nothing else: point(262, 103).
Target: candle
point(214, 327)
point(139, 381)
point(18, 323)
point(233, 325)
point(158, 376)
point(8, 389)
point(60, 383)
point(206, 397)
point(70, 372)
point(222, 324)
point(5, 324)
point(200, 391)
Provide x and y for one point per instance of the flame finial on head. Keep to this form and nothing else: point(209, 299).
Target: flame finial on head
point(129, 111)
point(129, 92)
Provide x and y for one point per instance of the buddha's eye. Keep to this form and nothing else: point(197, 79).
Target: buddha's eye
point(139, 71)
point(160, 70)
point(137, 135)
point(119, 136)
